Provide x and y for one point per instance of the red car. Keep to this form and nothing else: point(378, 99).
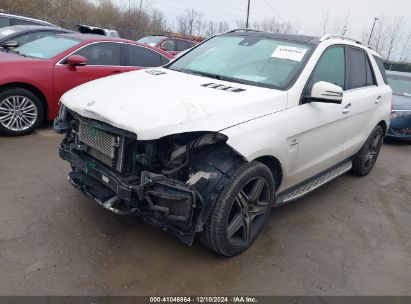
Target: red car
point(172, 45)
point(34, 76)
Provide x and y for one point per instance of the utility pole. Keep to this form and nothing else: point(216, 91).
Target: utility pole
point(372, 30)
point(248, 14)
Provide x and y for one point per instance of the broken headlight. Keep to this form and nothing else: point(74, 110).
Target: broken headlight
point(400, 114)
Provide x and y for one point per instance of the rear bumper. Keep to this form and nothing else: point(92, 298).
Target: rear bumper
point(400, 128)
point(158, 200)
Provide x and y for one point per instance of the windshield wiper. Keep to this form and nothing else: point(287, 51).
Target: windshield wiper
point(18, 53)
point(211, 75)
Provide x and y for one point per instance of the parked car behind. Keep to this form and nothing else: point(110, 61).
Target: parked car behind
point(400, 83)
point(18, 35)
point(244, 121)
point(169, 44)
point(9, 20)
point(87, 29)
point(35, 75)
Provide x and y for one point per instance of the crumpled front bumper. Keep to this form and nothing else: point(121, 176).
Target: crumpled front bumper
point(163, 202)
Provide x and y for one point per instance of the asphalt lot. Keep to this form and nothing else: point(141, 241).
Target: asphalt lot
point(351, 237)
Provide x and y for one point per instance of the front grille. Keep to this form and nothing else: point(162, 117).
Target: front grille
point(103, 146)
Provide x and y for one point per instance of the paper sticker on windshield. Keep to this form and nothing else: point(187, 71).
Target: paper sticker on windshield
point(289, 52)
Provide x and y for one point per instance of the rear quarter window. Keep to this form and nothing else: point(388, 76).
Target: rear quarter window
point(381, 68)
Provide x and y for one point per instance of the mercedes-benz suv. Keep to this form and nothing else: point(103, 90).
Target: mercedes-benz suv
point(242, 122)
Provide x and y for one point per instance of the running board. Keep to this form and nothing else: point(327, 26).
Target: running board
point(300, 190)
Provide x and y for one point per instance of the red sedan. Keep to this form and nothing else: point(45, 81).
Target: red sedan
point(34, 76)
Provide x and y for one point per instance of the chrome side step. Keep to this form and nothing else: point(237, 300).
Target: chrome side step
point(312, 184)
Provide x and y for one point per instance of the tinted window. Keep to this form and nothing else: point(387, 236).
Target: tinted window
point(181, 45)
point(370, 73)
point(104, 53)
point(168, 45)
point(381, 67)
point(358, 68)
point(142, 57)
point(330, 67)
point(4, 21)
point(22, 22)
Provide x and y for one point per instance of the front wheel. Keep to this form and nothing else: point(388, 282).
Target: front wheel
point(20, 111)
point(366, 158)
point(240, 211)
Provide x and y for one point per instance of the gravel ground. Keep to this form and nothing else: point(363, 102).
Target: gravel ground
point(350, 237)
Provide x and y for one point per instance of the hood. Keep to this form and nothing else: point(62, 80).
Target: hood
point(401, 102)
point(13, 58)
point(158, 102)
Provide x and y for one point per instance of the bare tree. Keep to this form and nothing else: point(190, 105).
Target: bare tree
point(341, 24)
point(325, 19)
point(189, 22)
point(394, 33)
point(405, 48)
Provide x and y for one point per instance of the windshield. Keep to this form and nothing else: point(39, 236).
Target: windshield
point(400, 85)
point(151, 40)
point(251, 60)
point(47, 47)
point(7, 31)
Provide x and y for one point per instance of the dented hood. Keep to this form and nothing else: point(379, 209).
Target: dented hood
point(158, 102)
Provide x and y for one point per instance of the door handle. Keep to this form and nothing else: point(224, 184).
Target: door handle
point(347, 108)
point(378, 100)
point(116, 72)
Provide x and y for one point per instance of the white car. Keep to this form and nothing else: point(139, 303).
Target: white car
point(242, 122)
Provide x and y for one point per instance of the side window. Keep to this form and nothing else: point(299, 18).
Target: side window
point(142, 57)
point(330, 67)
point(181, 45)
point(4, 21)
point(164, 60)
point(103, 53)
point(381, 67)
point(22, 22)
point(358, 68)
point(168, 45)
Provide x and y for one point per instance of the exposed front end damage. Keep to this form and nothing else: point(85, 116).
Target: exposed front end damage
point(171, 182)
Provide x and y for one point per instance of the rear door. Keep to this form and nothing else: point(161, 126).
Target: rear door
point(103, 59)
point(138, 57)
point(365, 97)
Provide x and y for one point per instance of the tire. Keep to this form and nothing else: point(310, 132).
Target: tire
point(238, 216)
point(21, 111)
point(366, 158)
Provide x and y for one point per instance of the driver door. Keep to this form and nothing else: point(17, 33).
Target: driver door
point(103, 59)
point(324, 125)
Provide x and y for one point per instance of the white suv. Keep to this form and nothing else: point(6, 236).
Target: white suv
point(242, 122)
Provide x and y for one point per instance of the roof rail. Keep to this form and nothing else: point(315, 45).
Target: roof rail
point(241, 30)
point(337, 36)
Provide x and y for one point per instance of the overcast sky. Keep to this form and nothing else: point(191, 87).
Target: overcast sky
point(306, 14)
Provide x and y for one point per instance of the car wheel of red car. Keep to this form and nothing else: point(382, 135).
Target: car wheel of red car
point(21, 111)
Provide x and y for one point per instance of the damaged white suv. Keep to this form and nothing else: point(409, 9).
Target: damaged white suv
point(244, 121)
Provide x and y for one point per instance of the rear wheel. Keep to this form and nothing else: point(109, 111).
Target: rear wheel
point(366, 158)
point(241, 210)
point(21, 111)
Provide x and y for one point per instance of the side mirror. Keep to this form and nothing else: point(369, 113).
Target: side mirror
point(76, 60)
point(10, 44)
point(326, 92)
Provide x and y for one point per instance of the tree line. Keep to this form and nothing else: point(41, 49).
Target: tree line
point(388, 36)
point(136, 18)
